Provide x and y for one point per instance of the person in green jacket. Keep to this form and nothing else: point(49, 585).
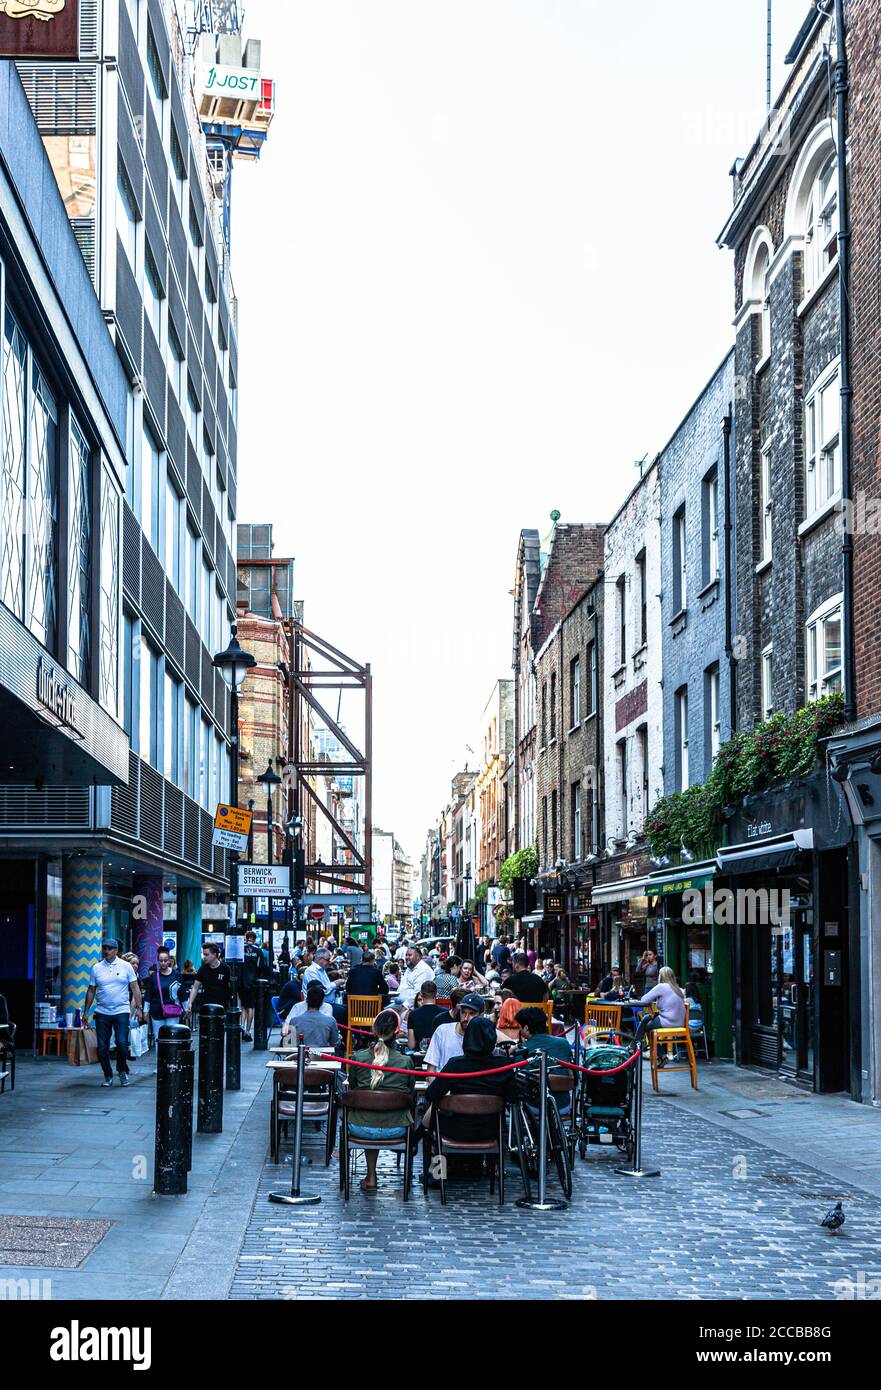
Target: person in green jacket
point(381, 1124)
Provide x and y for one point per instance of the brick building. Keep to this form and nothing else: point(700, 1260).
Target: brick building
point(797, 992)
point(497, 729)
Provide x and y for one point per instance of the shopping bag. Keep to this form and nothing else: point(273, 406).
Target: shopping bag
point(139, 1039)
point(82, 1046)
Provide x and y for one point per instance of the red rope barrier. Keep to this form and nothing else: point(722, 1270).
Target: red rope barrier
point(599, 1071)
point(411, 1071)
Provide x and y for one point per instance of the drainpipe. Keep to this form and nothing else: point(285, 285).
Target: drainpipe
point(841, 88)
point(729, 587)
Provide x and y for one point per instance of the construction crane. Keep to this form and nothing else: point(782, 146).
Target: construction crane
point(235, 102)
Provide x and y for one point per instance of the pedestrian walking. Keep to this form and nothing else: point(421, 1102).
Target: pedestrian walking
point(212, 978)
point(254, 967)
point(164, 986)
point(114, 988)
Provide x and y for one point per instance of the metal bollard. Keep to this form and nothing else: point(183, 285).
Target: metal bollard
point(544, 1203)
point(211, 1029)
point(294, 1198)
point(261, 1009)
point(233, 1049)
point(636, 1170)
point(188, 1061)
point(174, 1101)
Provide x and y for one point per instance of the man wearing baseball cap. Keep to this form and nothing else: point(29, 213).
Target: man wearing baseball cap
point(446, 1041)
point(114, 987)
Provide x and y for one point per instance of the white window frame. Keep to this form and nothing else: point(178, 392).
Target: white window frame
point(713, 527)
point(766, 537)
point(822, 440)
point(821, 224)
point(682, 730)
point(575, 694)
point(681, 554)
point(768, 681)
point(821, 678)
point(714, 713)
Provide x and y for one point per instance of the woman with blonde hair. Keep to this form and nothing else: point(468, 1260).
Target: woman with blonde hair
point(671, 1006)
point(381, 1124)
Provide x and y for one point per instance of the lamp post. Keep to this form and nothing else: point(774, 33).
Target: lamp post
point(234, 664)
point(269, 781)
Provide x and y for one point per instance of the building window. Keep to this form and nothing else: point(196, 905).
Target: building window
point(175, 527)
point(191, 557)
point(822, 443)
point(712, 716)
point(575, 690)
point(710, 548)
point(150, 470)
point(681, 711)
point(765, 505)
point(179, 172)
point(680, 568)
point(821, 225)
point(642, 743)
point(110, 606)
point(577, 832)
point(156, 84)
point(42, 510)
point(153, 296)
point(593, 679)
point(555, 822)
point(823, 631)
point(544, 830)
point(14, 439)
point(642, 632)
point(767, 681)
point(622, 785)
point(593, 825)
point(191, 748)
point(553, 705)
point(193, 413)
point(79, 556)
point(175, 359)
point(127, 218)
point(762, 281)
point(128, 672)
point(148, 722)
point(621, 597)
point(171, 731)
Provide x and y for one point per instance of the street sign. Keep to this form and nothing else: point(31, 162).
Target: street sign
point(264, 880)
point(231, 828)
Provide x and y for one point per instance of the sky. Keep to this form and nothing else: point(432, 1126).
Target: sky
point(478, 279)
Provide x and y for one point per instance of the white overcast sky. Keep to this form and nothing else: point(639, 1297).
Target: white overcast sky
point(478, 277)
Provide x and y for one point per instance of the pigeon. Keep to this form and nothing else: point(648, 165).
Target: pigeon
point(834, 1219)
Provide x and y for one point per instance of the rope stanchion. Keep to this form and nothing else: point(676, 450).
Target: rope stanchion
point(636, 1170)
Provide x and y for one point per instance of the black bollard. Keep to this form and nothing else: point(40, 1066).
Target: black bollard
point(174, 1101)
point(188, 1061)
point(211, 1029)
point(261, 1009)
point(233, 1049)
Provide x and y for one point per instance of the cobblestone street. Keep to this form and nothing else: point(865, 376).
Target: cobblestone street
point(728, 1218)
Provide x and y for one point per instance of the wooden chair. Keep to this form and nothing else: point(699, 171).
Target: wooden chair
point(363, 1098)
point(493, 1149)
point(602, 1018)
point(319, 1103)
point(363, 1009)
point(548, 1006)
point(673, 1037)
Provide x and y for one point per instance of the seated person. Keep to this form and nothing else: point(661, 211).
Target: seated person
point(611, 985)
point(526, 986)
point(425, 1017)
point(315, 1024)
point(477, 1056)
point(447, 977)
point(366, 978)
point(291, 994)
point(534, 1038)
point(447, 1039)
point(507, 1019)
point(381, 1124)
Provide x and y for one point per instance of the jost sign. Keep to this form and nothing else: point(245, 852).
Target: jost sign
point(241, 84)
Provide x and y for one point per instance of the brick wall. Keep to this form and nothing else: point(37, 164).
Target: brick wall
point(864, 51)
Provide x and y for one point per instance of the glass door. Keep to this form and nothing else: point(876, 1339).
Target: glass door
point(792, 976)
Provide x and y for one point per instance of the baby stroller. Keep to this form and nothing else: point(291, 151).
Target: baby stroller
point(605, 1102)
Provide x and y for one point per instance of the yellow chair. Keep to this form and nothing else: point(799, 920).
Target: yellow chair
point(670, 1037)
point(602, 1018)
point(363, 1009)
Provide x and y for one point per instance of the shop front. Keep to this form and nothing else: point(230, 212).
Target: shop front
point(696, 947)
point(783, 886)
point(626, 926)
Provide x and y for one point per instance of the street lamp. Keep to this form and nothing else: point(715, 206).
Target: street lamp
point(269, 781)
point(234, 664)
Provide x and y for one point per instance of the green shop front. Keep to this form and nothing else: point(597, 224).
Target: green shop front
point(695, 946)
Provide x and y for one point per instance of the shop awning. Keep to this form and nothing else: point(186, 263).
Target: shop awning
point(765, 856)
point(681, 878)
point(533, 919)
point(619, 891)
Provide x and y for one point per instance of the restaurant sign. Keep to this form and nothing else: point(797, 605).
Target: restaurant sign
point(681, 885)
point(39, 29)
point(553, 904)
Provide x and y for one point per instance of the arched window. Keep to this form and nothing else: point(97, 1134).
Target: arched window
point(811, 219)
point(757, 286)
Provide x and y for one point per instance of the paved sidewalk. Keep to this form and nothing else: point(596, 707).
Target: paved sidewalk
point(69, 1149)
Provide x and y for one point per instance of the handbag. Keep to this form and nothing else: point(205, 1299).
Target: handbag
point(169, 1010)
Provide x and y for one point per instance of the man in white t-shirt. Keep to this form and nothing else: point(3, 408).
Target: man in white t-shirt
point(418, 971)
point(113, 985)
point(447, 1040)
